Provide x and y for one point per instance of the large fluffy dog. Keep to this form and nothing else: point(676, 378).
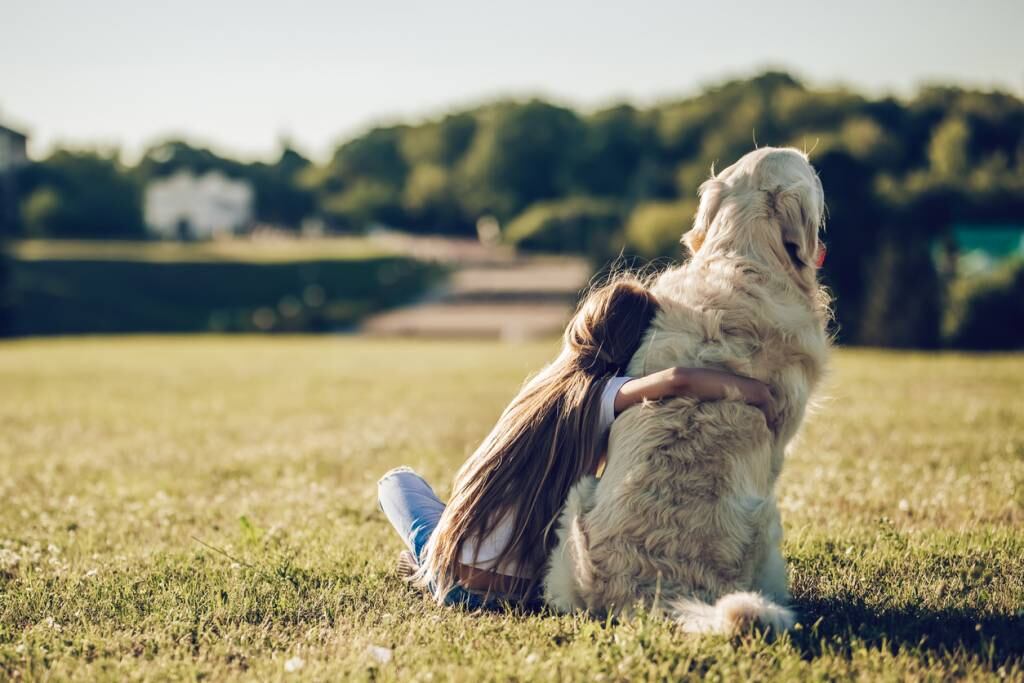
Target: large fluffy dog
point(684, 517)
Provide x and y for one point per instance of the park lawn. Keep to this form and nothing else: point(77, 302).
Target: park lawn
point(127, 460)
point(70, 287)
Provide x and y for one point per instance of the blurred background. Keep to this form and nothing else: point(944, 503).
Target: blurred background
point(451, 169)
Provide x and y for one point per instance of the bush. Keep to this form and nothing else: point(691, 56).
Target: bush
point(364, 203)
point(581, 225)
point(96, 295)
point(987, 311)
point(39, 212)
point(429, 203)
point(654, 228)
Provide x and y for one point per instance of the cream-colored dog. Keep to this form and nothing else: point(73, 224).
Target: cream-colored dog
point(684, 517)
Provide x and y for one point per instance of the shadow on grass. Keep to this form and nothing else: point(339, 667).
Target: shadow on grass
point(998, 638)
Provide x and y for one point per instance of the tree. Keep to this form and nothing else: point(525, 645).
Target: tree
point(522, 153)
point(442, 143)
point(616, 142)
point(171, 156)
point(363, 182)
point(947, 150)
point(374, 156)
point(281, 197)
point(85, 195)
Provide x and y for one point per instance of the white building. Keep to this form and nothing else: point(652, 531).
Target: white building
point(185, 206)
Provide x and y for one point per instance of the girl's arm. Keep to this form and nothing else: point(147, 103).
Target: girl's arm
point(703, 384)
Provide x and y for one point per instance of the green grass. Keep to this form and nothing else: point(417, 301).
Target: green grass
point(104, 287)
point(903, 506)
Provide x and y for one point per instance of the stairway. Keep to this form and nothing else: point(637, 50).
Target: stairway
point(490, 294)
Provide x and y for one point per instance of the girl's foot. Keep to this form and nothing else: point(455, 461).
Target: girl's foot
point(407, 565)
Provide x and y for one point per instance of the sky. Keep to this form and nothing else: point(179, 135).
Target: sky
point(242, 76)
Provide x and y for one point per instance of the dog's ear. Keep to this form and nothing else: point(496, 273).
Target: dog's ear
point(711, 193)
point(797, 209)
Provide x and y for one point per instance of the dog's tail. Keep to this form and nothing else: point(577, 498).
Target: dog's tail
point(732, 614)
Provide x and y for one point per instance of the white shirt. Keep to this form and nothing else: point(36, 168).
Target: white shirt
point(488, 550)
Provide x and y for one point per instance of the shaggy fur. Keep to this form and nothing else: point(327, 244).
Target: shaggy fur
point(684, 517)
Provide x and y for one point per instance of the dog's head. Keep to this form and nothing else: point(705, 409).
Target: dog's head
point(769, 206)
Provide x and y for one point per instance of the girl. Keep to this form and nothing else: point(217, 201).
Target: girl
point(491, 542)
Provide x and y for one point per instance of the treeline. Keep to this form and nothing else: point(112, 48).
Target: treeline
point(897, 175)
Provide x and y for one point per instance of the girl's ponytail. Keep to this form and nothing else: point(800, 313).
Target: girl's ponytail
point(609, 324)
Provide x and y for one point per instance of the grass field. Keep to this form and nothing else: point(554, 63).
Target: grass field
point(124, 459)
point(65, 287)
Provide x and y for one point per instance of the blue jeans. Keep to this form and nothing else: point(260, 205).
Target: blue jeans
point(414, 510)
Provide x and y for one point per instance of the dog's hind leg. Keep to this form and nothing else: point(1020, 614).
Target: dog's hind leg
point(570, 572)
point(770, 573)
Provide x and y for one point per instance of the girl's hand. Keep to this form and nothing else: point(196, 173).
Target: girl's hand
point(702, 384)
point(705, 384)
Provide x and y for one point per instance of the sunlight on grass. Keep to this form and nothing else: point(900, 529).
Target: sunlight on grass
point(903, 505)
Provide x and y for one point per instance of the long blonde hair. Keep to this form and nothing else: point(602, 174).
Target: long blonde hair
point(543, 442)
